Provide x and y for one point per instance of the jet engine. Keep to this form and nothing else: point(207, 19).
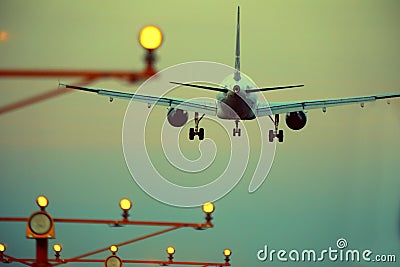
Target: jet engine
point(177, 117)
point(296, 120)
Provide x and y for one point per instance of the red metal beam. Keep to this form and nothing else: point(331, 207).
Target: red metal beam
point(118, 222)
point(87, 74)
point(39, 98)
point(162, 263)
point(158, 262)
point(127, 222)
point(13, 219)
point(7, 259)
point(88, 77)
point(76, 258)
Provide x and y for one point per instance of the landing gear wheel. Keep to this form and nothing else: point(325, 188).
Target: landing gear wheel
point(191, 134)
point(271, 136)
point(236, 130)
point(280, 136)
point(201, 134)
point(196, 131)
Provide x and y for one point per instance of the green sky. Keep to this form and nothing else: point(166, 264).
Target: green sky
point(338, 177)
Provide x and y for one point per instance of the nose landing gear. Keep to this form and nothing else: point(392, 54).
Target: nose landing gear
point(236, 130)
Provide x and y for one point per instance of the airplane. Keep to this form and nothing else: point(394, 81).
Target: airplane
point(236, 100)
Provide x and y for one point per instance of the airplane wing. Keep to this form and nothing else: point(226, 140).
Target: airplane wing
point(206, 107)
point(267, 109)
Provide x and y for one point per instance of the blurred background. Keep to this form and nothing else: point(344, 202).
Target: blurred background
point(337, 177)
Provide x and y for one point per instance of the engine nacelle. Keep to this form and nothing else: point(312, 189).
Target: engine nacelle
point(296, 120)
point(177, 117)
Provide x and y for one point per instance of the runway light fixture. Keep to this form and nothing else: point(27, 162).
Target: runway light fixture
point(227, 254)
point(57, 249)
point(113, 261)
point(125, 204)
point(114, 249)
point(171, 251)
point(150, 37)
point(2, 247)
point(42, 202)
point(208, 209)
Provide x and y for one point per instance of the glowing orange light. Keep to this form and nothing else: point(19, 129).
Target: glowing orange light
point(3, 36)
point(208, 207)
point(113, 248)
point(227, 252)
point(125, 204)
point(57, 248)
point(171, 250)
point(42, 201)
point(150, 37)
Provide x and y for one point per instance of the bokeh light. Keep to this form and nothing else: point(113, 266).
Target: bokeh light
point(208, 207)
point(3, 35)
point(170, 250)
point(57, 248)
point(42, 201)
point(150, 37)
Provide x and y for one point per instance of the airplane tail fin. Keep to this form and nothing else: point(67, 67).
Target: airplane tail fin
point(237, 54)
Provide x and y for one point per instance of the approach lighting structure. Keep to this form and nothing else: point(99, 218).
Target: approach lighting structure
point(2, 249)
point(114, 249)
point(113, 260)
point(208, 209)
point(57, 249)
point(125, 204)
point(171, 251)
point(227, 254)
point(40, 226)
point(150, 38)
point(40, 223)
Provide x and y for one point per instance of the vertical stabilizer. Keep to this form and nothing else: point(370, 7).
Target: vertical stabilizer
point(237, 55)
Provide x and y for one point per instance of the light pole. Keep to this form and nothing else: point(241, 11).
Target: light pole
point(171, 251)
point(40, 227)
point(57, 250)
point(125, 204)
point(150, 38)
point(208, 209)
point(2, 249)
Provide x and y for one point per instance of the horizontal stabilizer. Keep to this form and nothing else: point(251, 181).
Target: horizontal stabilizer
point(272, 88)
point(218, 89)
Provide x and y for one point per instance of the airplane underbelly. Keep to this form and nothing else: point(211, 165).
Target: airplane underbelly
point(233, 108)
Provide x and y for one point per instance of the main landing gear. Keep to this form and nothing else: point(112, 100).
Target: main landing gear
point(196, 130)
point(236, 130)
point(276, 133)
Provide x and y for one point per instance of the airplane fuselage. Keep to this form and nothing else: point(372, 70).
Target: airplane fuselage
point(237, 104)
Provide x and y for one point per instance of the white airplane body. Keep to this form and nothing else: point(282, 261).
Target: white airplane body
point(236, 100)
